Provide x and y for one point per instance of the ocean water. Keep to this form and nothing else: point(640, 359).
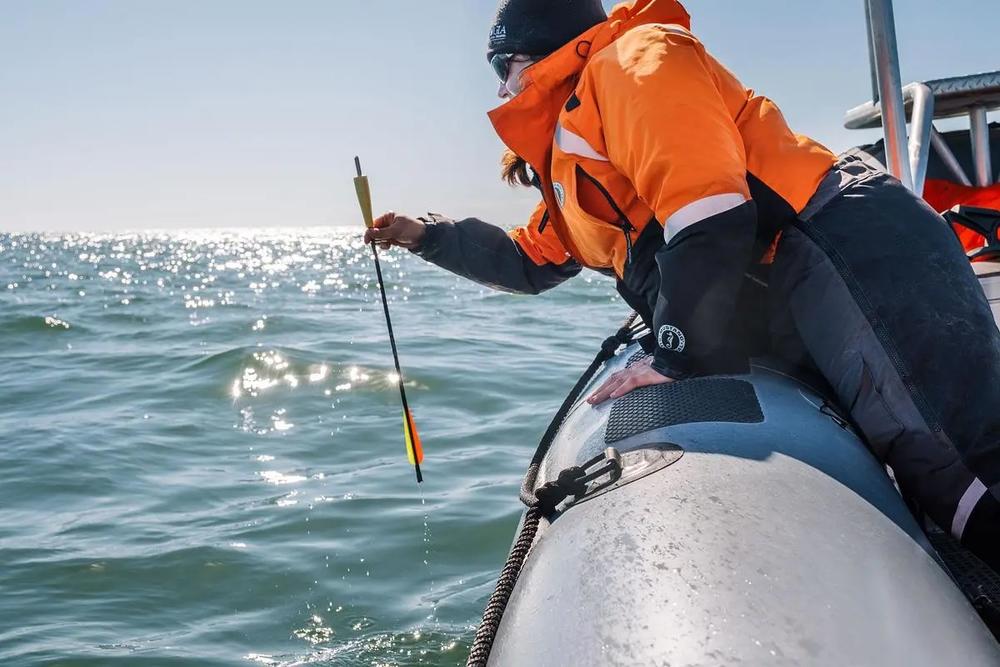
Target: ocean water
point(202, 458)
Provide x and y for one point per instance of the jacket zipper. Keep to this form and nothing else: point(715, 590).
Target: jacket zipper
point(544, 222)
point(624, 225)
point(623, 221)
point(626, 230)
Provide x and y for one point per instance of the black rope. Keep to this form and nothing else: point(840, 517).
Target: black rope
point(487, 631)
point(573, 480)
point(550, 495)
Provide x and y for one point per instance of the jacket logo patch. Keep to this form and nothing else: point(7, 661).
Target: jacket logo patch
point(560, 193)
point(671, 338)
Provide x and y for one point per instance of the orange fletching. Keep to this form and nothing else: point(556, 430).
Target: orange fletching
point(414, 450)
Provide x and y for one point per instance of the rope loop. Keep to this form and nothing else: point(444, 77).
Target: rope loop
point(568, 483)
point(611, 344)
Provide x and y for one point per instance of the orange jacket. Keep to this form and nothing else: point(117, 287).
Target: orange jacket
point(655, 165)
point(633, 122)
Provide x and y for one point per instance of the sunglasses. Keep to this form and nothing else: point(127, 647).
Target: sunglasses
point(501, 64)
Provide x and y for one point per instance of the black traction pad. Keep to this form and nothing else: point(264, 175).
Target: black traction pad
point(683, 402)
point(974, 576)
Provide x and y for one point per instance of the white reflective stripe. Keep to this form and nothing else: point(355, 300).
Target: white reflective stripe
point(574, 144)
point(677, 29)
point(968, 503)
point(699, 210)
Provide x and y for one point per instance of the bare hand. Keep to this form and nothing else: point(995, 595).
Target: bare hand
point(391, 229)
point(641, 374)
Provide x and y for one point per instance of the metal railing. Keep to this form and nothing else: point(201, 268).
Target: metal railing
point(884, 60)
point(907, 158)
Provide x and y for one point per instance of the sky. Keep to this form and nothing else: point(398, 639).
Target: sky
point(173, 114)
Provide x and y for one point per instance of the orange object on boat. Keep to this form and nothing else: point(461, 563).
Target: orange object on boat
point(942, 195)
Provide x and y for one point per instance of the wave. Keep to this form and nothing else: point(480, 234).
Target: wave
point(32, 324)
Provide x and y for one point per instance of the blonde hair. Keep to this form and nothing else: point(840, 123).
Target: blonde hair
point(514, 169)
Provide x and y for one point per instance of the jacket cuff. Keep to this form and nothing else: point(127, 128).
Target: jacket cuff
point(671, 364)
point(433, 233)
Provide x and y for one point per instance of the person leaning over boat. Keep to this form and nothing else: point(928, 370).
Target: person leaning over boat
point(656, 165)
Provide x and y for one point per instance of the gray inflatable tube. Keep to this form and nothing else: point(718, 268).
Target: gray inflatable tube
point(749, 527)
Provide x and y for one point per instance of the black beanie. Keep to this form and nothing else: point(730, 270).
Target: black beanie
point(539, 27)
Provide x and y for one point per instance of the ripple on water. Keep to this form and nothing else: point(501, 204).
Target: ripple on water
point(203, 456)
point(35, 324)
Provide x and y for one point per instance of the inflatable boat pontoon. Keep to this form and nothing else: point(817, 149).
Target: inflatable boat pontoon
point(735, 520)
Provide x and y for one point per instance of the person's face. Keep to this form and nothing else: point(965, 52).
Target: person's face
point(508, 68)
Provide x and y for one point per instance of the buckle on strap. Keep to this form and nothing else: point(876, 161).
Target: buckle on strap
point(983, 221)
point(573, 481)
